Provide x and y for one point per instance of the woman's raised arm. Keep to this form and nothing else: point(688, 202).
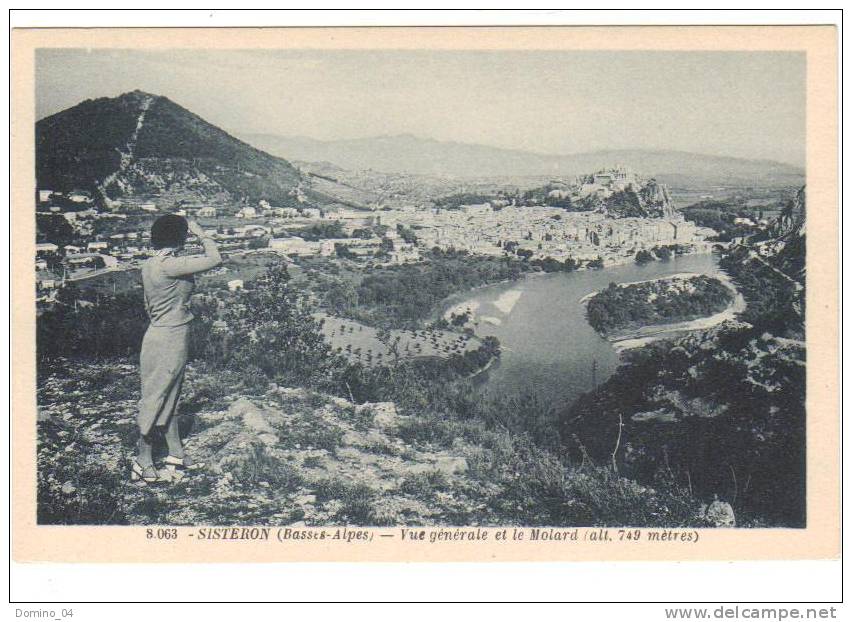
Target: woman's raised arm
point(184, 266)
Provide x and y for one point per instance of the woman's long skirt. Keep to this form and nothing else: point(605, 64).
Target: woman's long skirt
point(162, 364)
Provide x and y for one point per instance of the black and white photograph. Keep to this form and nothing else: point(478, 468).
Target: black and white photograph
point(301, 288)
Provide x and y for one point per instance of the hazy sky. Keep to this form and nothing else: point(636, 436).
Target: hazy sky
point(744, 104)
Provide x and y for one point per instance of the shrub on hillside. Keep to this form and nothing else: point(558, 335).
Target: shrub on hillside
point(75, 327)
point(271, 329)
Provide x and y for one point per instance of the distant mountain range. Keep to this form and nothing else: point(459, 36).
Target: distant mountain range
point(405, 153)
point(139, 144)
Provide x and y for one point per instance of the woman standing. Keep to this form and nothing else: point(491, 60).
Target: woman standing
point(168, 281)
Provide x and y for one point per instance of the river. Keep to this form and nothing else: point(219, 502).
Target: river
point(548, 346)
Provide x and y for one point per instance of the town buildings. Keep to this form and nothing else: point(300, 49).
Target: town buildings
point(498, 227)
point(545, 231)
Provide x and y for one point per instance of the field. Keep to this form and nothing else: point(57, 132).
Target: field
point(246, 267)
point(369, 346)
point(107, 283)
point(231, 221)
point(346, 194)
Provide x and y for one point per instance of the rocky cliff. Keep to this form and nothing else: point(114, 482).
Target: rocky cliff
point(656, 199)
point(648, 199)
point(788, 246)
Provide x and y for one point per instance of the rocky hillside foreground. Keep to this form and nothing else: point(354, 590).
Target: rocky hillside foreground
point(287, 456)
point(294, 456)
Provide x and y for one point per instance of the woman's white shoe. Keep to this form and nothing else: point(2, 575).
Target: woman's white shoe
point(142, 475)
point(174, 463)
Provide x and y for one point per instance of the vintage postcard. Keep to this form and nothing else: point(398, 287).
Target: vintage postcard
point(425, 294)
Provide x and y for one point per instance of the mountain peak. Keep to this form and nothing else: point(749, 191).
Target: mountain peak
point(139, 143)
point(137, 93)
